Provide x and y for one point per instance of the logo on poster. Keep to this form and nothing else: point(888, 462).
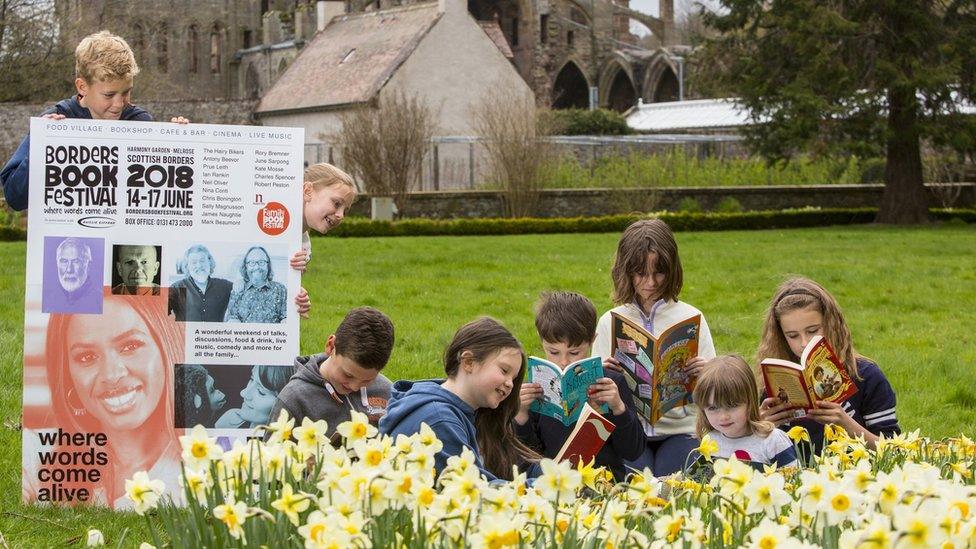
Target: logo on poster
point(80, 176)
point(273, 218)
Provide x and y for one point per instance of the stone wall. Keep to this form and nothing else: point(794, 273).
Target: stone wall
point(15, 117)
point(595, 202)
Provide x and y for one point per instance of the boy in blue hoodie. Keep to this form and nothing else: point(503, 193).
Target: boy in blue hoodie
point(566, 323)
point(104, 70)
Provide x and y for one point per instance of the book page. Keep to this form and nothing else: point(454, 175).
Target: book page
point(550, 379)
point(786, 385)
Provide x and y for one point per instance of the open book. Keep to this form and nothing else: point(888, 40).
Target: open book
point(654, 368)
point(820, 375)
point(563, 391)
point(591, 432)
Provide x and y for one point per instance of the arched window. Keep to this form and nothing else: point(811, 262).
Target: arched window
point(162, 47)
point(138, 42)
point(191, 48)
point(215, 49)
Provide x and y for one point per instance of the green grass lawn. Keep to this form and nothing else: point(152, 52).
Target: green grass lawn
point(909, 295)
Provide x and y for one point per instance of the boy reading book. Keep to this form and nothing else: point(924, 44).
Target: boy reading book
point(654, 367)
point(566, 323)
point(820, 375)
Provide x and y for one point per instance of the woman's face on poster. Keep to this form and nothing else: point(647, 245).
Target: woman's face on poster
point(115, 366)
point(258, 400)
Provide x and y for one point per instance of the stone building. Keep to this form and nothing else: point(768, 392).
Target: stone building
point(565, 50)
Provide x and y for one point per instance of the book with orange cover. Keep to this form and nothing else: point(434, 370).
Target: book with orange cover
point(591, 432)
point(820, 375)
point(654, 367)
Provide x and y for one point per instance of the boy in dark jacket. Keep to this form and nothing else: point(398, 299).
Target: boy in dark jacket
point(566, 323)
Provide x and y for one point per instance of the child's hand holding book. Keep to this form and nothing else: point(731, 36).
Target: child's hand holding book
point(695, 366)
point(778, 411)
point(527, 395)
point(604, 391)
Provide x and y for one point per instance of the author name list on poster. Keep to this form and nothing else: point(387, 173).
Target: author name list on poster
point(270, 169)
point(221, 206)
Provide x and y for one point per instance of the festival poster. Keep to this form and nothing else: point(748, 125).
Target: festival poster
point(158, 295)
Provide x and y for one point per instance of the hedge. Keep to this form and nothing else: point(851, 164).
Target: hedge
point(679, 221)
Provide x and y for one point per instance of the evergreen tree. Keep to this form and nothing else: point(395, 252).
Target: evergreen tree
point(852, 76)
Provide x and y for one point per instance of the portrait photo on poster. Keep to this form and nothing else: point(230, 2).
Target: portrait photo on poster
point(135, 269)
point(258, 296)
point(108, 389)
point(200, 283)
point(73, 275)
point(227, 396)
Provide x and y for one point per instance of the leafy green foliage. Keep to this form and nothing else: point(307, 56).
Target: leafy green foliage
point(678, 168)
point(588, 122)
point(853, 77)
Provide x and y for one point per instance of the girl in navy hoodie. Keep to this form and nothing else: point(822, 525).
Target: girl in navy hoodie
point(474, 406)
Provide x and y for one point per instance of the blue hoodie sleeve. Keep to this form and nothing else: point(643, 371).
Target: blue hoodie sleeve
point(454, 438)
point(14, 176)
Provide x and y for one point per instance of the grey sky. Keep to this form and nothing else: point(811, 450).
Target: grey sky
point(681, 8)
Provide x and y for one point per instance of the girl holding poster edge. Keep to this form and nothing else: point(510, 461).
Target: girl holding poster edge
point(111, 411)
point(326, 195)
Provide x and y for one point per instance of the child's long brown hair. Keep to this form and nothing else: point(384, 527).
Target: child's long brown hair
point(637, 241)
point(500, 449)
point(728, 381)
point(802, 293)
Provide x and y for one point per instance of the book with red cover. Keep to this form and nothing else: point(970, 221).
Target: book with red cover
point(820, 375)
point(591, 432)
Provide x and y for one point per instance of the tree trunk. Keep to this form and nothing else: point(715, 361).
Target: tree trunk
point(905, 200)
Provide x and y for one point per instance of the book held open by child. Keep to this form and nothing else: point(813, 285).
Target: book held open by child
point(591, 432)
point(820, 375)
point(563, 391)
point(654, 367)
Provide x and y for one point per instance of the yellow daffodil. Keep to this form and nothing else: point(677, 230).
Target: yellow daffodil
point(310, 435)
point(232, 514)
point(281, 428)
point(589, 473)
point(291, 503)
point(833, 432)
point(798, 433)
point(357, 428)
point(708, 447)
point(198, 448)
point(143, 492)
